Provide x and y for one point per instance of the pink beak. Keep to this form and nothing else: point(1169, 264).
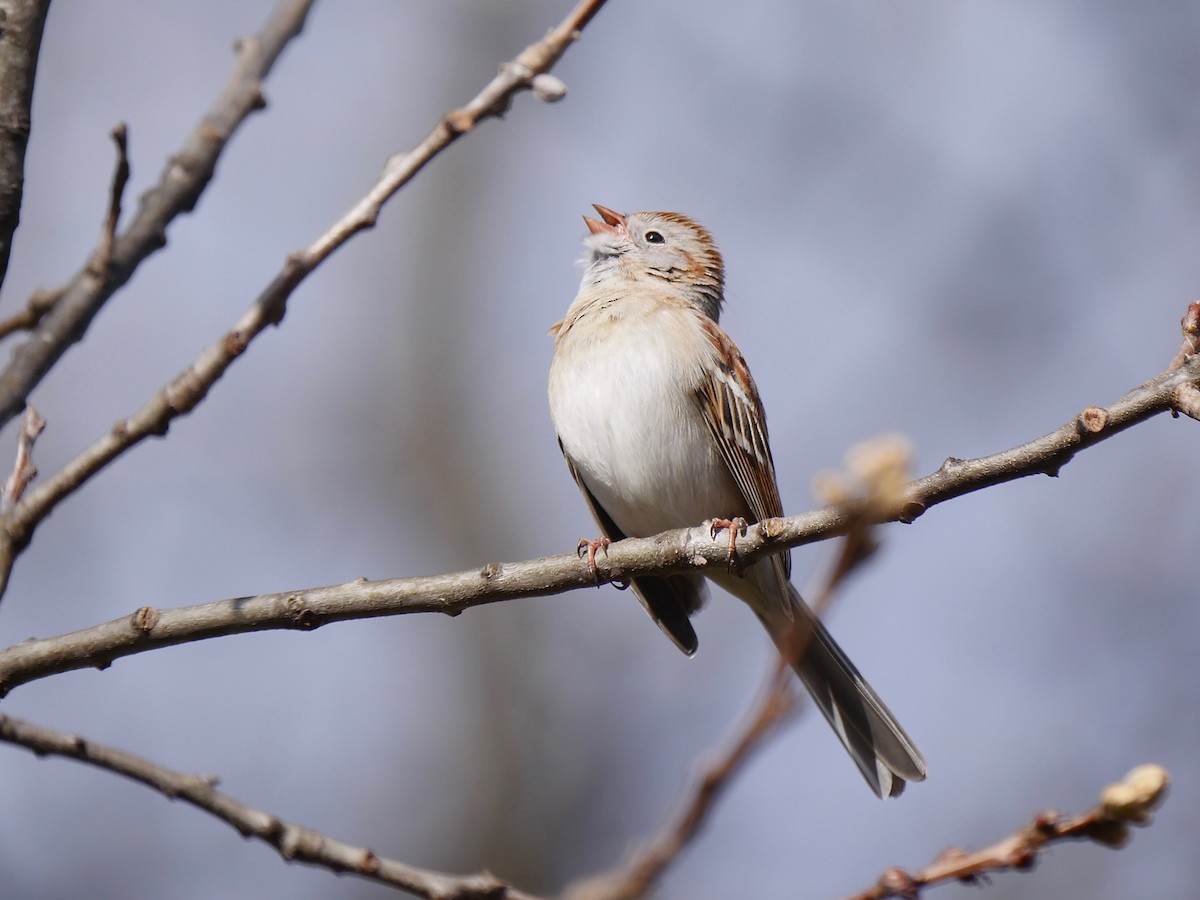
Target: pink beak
point(612, 220)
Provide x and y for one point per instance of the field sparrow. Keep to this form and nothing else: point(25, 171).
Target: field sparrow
point(662, 427)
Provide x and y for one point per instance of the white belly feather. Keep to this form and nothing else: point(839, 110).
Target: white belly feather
point(625, 410)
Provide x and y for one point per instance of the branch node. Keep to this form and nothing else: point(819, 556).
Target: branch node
point(145, 619)
point(39, 303)
point(305, 617)
point(1186, 400)
point(1047, 821)
point(182, 395)
point(24, 471)
point(548, 88)
point(100, 264)
point(951, 464)
point(1190, 323)
point(1093, 420)
point(235, 344)
point(1054, 467)
point(1135, 799)
point(898, 883)
point(490, 571)
point(459, 121)
point(369, 864)
point(911, 511)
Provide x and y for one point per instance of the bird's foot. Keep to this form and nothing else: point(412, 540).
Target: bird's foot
point(591, 547)
point(737, 528)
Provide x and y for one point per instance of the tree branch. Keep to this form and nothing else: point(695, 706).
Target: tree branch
point(21, 24)
point(179, 187)
point(101, 261)
point(778, 702)
point(24, 471)
point(294, 843)
point(682, 550)
point(192, 385)
point(1130, 802)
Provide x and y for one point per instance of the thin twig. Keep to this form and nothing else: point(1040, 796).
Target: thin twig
point(1187, 396)
point(294, 843)
point(192, 385)
point(777, 702)
point(1130, 802)
point(39, 303)
point(684, 550)
point(24, 471)
point(185, 177)
point(1190, 326)
point(101, 261)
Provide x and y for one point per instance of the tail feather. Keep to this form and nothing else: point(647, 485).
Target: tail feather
point(880, 748)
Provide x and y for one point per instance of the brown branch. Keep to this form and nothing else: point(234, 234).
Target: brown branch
point(683, 550)
point(101, 262)
point(524, 72)
point(1190, 326)
point(1131, 802)
point(778, 701)
point(20, 43)
point(294, 843)
point(185, 177)
point(192, 385)
point(39, 303)
point(24, 471)
point(1187, 396)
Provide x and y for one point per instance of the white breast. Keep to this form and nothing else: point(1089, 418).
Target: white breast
point(622, 396)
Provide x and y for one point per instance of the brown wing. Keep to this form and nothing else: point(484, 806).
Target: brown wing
point(733, 412)
point(670, 600)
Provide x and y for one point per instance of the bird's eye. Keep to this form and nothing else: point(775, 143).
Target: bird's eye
point(654, 237)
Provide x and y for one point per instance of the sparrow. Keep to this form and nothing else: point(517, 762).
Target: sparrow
point(662, 427)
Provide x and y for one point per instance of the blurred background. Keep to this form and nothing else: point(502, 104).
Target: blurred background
point(964, 222)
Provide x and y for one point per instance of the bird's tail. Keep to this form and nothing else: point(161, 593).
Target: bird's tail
point(884, 754)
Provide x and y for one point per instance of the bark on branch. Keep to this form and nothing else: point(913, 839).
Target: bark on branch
point(21, 24)
point(191, 386)
point(1130, 802)
point(179, 187)
point(294, 843)
point(688, 549)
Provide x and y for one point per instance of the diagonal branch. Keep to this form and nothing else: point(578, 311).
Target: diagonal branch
point(20, 43)
point(179, 187)
point(294, 843)
point(101, 261)
point(191, 386)
point(24, 471)
point(1130, 802)
point(777, 702)
point(675, 551)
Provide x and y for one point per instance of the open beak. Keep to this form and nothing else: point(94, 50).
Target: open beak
point(612, 221)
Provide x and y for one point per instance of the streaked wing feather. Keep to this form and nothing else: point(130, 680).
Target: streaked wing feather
point(735, 417)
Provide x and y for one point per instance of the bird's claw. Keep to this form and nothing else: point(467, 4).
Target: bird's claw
point(737, 528)
point(591, 547)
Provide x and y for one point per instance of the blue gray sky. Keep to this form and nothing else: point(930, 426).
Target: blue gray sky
point(963, 222)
